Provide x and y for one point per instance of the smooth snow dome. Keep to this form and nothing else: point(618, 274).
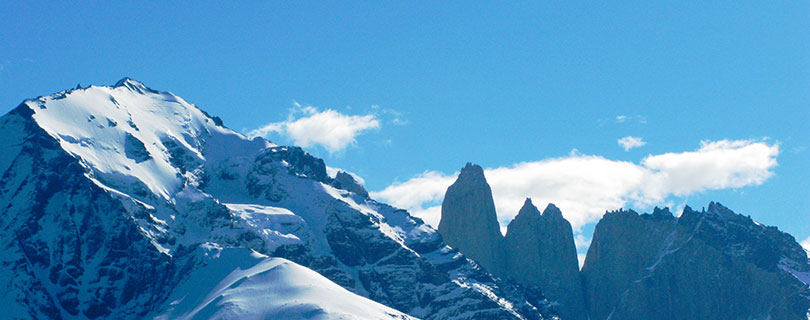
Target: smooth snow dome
point(238, 283)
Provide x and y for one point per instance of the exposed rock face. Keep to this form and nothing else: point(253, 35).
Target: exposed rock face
point(541, 252)
point(346, 182)
point(538, 250)
point(703, 265)
point(624, 243)
point(469, 222)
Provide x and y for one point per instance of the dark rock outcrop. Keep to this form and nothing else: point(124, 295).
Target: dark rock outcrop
point(538, 250)
point(704, 265)
point(346, 182)
point(469, 222)
point(712, 264)
point(624, 243)
point(541, 251)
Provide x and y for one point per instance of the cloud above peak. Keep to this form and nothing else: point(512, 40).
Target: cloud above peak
point(308, 126)
point(585, 186)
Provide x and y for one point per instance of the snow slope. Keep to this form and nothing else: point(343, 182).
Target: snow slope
point(238, 283)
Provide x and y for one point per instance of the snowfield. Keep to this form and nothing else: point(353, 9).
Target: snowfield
point(238, 283)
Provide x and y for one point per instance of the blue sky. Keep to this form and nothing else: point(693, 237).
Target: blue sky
point(416, 90)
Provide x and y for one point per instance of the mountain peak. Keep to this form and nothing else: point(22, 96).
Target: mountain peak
point(129, 130)
point(133, 85)
point(552, 211)
point(718, 209)
point(527, 213)
point(127, 81)
point(468, 221)
point(662, 212)
point(471, 172)
point(540, 250)
point(347, 182)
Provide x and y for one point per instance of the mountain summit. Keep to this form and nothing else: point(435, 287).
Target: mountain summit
point(128, 202)
point(468, 220)
point(540, 251)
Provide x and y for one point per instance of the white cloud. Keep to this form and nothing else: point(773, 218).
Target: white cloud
point(585, 186)
point(581, 259)
point(806, 244)
point(629, 142)
point(419, 195)
point(581, 242)
point(330, 129)
point(716, 165)
point(392, 116)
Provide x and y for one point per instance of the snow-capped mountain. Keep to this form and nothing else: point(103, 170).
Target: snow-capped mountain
point(126, 202)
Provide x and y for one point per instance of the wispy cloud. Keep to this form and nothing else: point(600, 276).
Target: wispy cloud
point(584, 186)
point(419, 195)
point(623, 118)
point(390, 116)
point(633, 118)
point(308, 126)
point(806, 244)
point(629, 142)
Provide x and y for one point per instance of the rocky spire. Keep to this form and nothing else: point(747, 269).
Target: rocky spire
point(528, 214)
point(553, 213)
point(541, 252)
point(468, 220)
